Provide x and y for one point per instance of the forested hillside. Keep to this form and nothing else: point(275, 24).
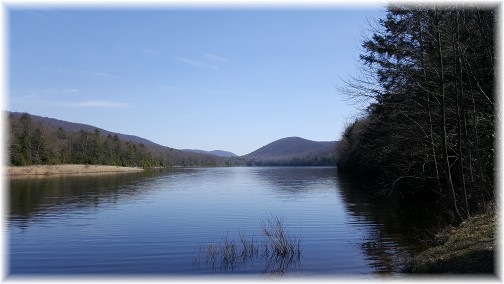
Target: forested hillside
point(428, 75)
point(54, 124)
point(42, 143)
point(294, 151)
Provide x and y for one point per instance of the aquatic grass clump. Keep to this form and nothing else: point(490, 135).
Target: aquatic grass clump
point(249, 247)
point(281, 244)
point(228, 252)
point(279, 249)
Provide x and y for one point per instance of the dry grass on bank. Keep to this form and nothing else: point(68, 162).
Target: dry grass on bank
point(466, 249)
point(40, 171)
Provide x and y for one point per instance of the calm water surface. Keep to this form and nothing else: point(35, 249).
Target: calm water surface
point(161, 222)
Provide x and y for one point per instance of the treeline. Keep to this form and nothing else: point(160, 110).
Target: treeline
point(38, 144)
point(430, 127)
point(309, 160)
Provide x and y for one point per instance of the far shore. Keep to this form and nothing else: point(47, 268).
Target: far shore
point(41, 171)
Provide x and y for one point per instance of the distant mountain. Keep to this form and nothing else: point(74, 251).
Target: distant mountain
point(294, 151)
point(291, 146)
point(222, 153)
point(219, 153)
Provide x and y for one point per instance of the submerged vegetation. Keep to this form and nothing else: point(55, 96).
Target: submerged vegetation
point(277, 248)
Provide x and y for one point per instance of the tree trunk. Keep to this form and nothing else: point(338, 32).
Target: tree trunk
point(429, 110)
point(460, 111)
point(448, 177)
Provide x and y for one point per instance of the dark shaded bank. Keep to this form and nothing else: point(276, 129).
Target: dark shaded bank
point(436, 247)
point(468, 248)
point(409, 224)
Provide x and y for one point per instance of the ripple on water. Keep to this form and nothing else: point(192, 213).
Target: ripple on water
point(155, 224)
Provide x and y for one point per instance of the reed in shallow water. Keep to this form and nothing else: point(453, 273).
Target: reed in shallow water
point(279, 249)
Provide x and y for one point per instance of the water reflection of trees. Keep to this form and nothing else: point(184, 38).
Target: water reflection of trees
point(393, 231)
point(30, 198)
point(295, 179)
point(398, 231)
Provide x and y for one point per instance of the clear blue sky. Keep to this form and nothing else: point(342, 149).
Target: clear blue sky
point(206, 79)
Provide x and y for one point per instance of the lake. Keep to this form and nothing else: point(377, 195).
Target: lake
point(165, 222)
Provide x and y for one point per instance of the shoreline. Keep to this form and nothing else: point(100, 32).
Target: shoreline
point(43, 171)
point(468, 248)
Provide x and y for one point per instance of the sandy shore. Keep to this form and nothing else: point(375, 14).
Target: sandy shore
point(65, 170)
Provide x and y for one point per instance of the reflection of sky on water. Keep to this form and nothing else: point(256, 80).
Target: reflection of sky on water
point(152, 222)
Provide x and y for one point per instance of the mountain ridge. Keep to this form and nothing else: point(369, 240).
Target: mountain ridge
point(69, 126)
point(288, 151)
point(288, 146)
point(59, 149)
point(220, 153)
point(293, 151)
